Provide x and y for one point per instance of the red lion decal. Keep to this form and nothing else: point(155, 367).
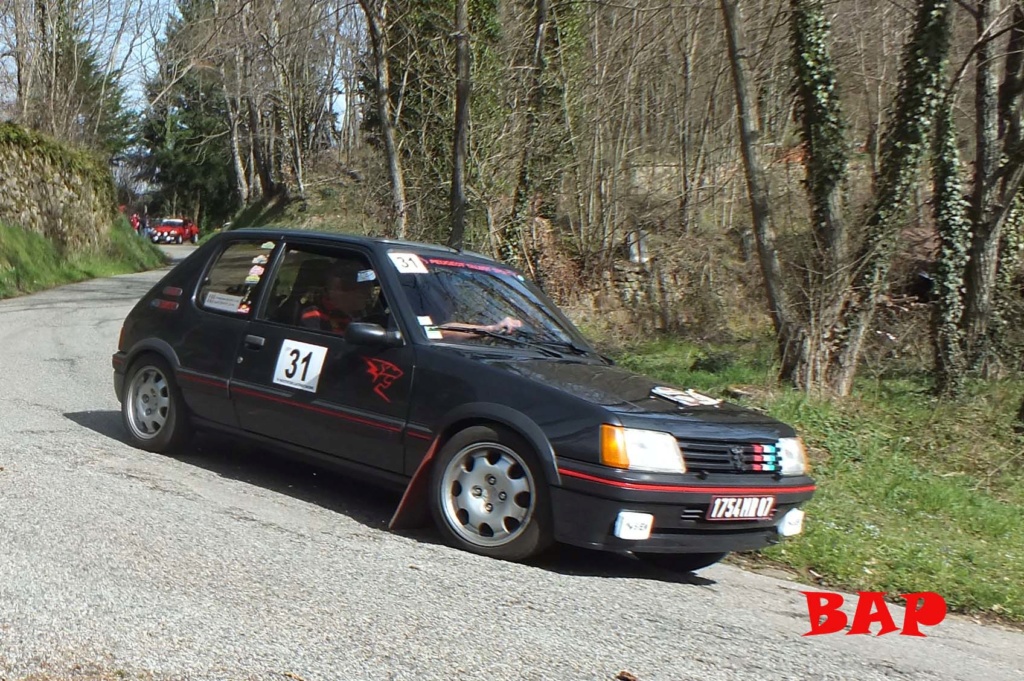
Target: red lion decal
point(383, 374)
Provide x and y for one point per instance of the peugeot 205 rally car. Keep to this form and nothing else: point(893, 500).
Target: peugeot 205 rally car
point(455, 378)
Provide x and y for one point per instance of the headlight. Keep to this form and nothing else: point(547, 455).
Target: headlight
point(792, 456)
point(640, 450)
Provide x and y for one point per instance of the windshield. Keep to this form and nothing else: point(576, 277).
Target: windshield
point(469, 302)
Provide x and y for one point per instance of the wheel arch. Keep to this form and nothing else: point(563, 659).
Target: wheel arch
point(154, 346)
point(413, 509)
point(485, 413)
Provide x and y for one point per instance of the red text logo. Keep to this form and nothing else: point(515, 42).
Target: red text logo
point(923, 609)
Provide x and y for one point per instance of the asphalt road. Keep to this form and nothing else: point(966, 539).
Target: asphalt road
point(228, 563)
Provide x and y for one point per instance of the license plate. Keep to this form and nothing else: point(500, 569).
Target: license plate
point(741, 508)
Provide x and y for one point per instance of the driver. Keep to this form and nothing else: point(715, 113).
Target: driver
point(348, 292)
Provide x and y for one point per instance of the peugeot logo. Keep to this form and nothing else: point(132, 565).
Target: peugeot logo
point(736, 456)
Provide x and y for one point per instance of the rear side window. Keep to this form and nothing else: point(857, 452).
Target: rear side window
point(231, 283)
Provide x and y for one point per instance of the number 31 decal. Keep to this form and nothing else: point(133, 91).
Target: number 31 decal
point(408, 263)
point(299, 365)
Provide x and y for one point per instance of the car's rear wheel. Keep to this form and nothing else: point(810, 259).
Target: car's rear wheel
point(153, 410)
point(489, 495)
point(194, 239)
point(682, 562)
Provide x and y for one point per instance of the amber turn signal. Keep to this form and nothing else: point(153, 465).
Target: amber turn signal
point(613, 446)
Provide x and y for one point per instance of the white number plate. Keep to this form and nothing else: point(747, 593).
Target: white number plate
point(408, 263)
point(741, 508)
point(299, 365)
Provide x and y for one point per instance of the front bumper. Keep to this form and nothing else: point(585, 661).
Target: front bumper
point(588, 503)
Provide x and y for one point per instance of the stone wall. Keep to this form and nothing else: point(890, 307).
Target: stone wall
point(64, 194)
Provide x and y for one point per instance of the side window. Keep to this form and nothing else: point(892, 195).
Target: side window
point(326, 291)
point(230, 285)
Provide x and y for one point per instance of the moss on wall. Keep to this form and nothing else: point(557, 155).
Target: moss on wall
point(64, 194)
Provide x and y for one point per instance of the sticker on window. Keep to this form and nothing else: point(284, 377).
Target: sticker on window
point(425, 320)
point(365, 275)
point(687, 398)
point(260, 260)
point(408, 263)
point(299, 365)
point(257, 271)
point(222, 302)
point(252, 279)
point(267, 245)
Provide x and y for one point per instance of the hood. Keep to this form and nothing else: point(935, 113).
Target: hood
point(642, 402)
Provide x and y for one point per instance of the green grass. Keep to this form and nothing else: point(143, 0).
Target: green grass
point(913, 494)
point(29, 262)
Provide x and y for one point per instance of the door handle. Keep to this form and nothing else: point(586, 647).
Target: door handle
point(254, 342)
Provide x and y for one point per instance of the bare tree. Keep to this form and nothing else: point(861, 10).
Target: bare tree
point(376, 12)
point(462, 94)
point(757, 185)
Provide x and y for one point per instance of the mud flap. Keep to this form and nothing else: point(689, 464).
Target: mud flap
point(413, 510)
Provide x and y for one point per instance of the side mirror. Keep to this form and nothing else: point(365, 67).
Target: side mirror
point(362, 333)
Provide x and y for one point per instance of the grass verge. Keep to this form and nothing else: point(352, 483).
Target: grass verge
point(29, 262)
point(913, 494)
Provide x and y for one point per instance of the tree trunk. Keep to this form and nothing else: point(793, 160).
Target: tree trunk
point(981, 268)
point(376, 17)
point(826, 282)
point(241, 182)
point(512, 243)
point(462, 94)
point(902, 150)
point(953, 225)
point(259, 155)
point(757, 186)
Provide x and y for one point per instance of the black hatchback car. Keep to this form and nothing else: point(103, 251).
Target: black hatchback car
point(453, 377)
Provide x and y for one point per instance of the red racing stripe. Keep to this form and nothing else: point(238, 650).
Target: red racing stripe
point(319, 410)
point(217, 383)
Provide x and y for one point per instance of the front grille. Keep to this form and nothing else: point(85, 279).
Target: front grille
point(730, 457)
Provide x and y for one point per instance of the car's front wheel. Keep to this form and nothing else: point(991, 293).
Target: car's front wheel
point(177, 239)
point(489, 495)
point(682, 562)
point(153, 410)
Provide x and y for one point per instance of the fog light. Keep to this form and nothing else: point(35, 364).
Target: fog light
point(792, 523)
point(633, 526)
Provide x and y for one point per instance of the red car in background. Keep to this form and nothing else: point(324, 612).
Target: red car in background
point(175, 231)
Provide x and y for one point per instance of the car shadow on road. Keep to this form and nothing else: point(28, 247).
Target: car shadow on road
point(369, 505)
point(106, 423)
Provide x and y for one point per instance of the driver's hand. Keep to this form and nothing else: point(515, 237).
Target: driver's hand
point(506, 325)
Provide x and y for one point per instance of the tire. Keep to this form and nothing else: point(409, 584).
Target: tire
point(489, 495)
point(682, 562)
point(177, 239)
point(153, 411)
point(194, 239)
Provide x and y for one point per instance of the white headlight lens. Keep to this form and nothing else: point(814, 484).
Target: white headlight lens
point(650, 450)
point(792, 456)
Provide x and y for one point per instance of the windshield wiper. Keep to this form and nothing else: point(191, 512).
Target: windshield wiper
point(476, 331)
point(568, 345)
